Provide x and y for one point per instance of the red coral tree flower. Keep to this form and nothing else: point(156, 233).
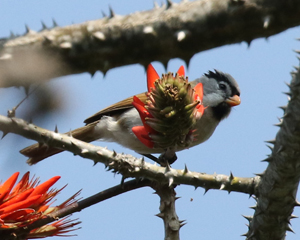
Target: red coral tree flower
point(171, 110)
point(27, 202)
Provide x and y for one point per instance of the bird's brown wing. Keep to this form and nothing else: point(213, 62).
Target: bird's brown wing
point(116, 108)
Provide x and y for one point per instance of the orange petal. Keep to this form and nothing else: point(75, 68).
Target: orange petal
point(23, 204)
point(143, 114)
point(43, 188)
point(17, 198)
point(152, 76)
point(181, 71)
point(142, 134)
point(199, 91)
point(22, 184)
point(138, 101)
point(6, 187)
point(17, 214)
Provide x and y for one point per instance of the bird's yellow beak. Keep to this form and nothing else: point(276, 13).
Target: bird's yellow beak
point(233, 101)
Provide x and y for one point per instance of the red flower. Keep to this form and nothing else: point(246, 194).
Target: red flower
point(152, 126)
point(28, 202)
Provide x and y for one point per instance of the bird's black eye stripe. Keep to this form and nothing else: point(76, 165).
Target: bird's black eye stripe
point(222, 86)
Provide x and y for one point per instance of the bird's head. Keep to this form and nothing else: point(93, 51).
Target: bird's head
point(221, 92)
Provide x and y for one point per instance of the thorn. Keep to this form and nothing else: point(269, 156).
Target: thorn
point(54, 23)
point(99, 35)
point(12, 35)
point(99, 153)
point(268, 159)
point(273, 141)
point(95, 162)
point(4, 134)
point(287, 93)
point(185, 171)
point(104, 14)
point(283, 107)
point(293, 216)
point(297, 204)
point(122, 181)
point(255, 198)
point(171, 180)
point(181, 225)
point(44, 27)
point(270, 147)
point(169, 4)
point(155, 5)
point(249, 218)
point(181, 35)
point(92, 73)
point(176, 198)
point(259, 174)
point(187, 61)
point(278, 124)
point(47, 40)
point(288, 228)
point(65, 45)
point(267, 20)
point(56, 129)
point(222, 186)
point(288, 85)
point(28, 30)
point(253, 207)
point(231, 177)
point(168, 168)
point(165, 64)
point(83, 151)
point(114, 153)
point(205, 190)
point(111, 12)
point(248, 43)
point(245, 234)
point(70, 133)
point(160, 215)
point(148, 30)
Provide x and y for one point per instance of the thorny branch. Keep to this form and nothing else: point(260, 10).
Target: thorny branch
point(276, 193)
point(127, 165)
point(171, 31)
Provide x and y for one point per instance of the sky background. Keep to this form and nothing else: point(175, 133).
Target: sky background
point(237, 145)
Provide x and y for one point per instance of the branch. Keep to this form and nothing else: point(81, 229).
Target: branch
point(168, 212)
point(172, 31)
point(279, 183)
point(125, 164)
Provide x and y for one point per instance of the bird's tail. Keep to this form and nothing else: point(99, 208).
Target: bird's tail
point(38, 152)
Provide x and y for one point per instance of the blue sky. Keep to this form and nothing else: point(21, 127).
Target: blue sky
point(237, 145)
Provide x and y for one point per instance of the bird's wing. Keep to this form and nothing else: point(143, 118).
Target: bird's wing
point(116, 108)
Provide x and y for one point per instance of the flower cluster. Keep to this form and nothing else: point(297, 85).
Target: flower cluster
point(28, 201)
point(170, 112)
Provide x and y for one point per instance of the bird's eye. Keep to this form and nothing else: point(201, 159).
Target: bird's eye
point(222, 86)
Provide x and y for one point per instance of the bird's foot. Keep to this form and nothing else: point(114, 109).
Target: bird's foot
point(167, 157)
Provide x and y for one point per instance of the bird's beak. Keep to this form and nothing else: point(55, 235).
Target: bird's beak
point(233, 101)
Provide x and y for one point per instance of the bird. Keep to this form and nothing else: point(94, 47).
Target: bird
point(221, 92)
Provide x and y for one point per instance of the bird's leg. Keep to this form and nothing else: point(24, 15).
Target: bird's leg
point(169, 156)
point(150, 156)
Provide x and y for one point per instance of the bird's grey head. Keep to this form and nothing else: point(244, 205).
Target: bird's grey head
point(221, 92)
